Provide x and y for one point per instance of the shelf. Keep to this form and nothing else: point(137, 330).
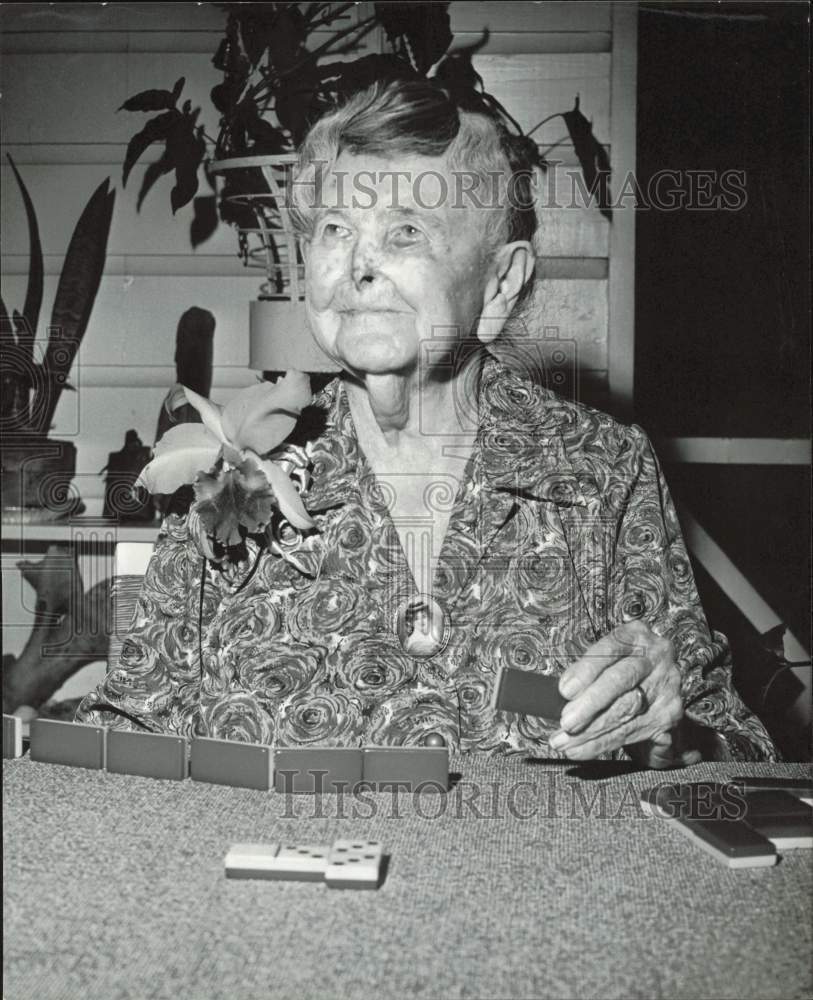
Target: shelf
point(84, 530)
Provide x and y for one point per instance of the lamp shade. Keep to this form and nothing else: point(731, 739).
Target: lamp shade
point(280, 339)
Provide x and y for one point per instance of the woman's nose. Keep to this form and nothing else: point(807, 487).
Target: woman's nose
point(364, 263)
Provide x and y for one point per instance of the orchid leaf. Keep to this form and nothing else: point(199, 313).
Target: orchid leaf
point(210, 413)
point(289, 501)
point(262, 416)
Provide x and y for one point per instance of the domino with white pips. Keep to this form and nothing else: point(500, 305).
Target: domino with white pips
point(355, 864)
point(348, 864)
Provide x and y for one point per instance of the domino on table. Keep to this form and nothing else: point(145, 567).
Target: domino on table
point(731, 840)
point(528, 693)
point(69, 743)
point(355, 864)
point(317, 769)
point(781, 817)
point(250, 860)
point(411, 768)
point(225, 762)
point(149, 755)
point(12, 736)
point(800, 787)
point(288, 863)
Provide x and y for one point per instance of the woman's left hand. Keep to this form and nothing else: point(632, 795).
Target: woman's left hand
point(625, 691)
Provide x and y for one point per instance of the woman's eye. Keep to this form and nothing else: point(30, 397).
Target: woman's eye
point(407, 234)
point(334, 230)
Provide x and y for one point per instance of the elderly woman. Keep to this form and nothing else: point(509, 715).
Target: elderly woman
point(465, 517)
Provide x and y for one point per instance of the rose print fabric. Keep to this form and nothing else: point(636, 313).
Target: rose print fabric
point(561, 528)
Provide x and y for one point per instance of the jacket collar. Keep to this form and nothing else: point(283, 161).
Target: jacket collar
point(519, 449)
point(521, 442)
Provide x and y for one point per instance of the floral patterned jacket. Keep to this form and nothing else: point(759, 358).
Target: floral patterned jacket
point(561, 528)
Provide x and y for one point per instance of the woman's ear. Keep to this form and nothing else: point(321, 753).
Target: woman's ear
point(511, 268)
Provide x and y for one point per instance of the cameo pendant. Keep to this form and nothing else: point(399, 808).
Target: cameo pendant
point(422, 626)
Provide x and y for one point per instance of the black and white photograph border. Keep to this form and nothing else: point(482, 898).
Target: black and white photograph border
point(198, 564)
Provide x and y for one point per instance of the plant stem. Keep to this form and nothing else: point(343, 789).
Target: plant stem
point(330, 16)
point(543, 122)
point(553, 145)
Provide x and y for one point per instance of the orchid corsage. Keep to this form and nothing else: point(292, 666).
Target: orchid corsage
point(237, 491)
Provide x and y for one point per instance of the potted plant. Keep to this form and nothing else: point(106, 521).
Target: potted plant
point(274, 88)
point(37, 469)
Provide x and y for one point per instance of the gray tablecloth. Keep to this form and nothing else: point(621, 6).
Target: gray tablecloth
point(526, 880)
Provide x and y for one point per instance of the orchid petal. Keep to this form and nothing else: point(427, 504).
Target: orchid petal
point(175, 398)
point(178, 461)
point(262, 416)
point(210, 413)
point(290, 503)
point(186, 436)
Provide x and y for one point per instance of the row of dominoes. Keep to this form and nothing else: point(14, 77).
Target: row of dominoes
point(224, 762)
point(741, 823)
point(348, 864)
point(515, 691)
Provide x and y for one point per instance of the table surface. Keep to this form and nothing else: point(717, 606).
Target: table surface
point(529, 879)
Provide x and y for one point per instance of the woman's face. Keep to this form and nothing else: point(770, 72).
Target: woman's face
point(392, 264)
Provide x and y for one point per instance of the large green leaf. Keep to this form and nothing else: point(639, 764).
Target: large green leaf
point(156, 130)
point(154, 100)
point(75, 295)
point(157, 169)
point(593, 158)
point(204, 222)
point(419, 32)
point(33, 295)
point(186, 150)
